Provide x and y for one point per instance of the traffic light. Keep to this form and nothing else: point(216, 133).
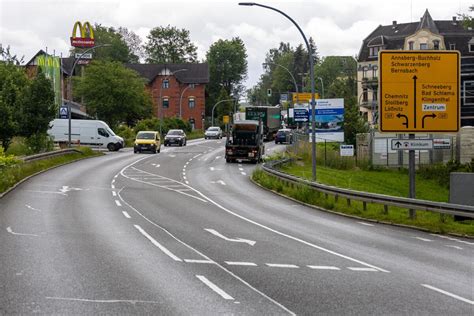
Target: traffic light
point(269, 92)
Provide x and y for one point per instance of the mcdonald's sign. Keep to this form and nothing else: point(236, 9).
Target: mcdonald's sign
point(86, 38)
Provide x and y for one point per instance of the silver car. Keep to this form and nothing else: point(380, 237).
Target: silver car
point(213, 132)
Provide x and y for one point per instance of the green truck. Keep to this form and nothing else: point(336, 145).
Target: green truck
point(270, 116)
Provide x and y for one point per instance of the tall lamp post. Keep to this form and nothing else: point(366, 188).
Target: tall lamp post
point(191, 85)
point(212, 115)
point(160, 106)
point(311, 69)
point(322, 87)
point(70, 87)
point(292, 77)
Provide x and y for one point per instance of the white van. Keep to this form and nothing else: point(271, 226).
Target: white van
point(86, 132)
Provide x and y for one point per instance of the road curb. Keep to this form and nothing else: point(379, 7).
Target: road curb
point(40, 172)
point(319, 208)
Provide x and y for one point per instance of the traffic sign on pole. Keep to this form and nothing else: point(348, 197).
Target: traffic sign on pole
point(419, 91)
point(412, 144)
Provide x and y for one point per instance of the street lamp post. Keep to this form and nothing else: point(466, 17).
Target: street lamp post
point(70, 87)
point(212, 113)
point(292, 77)
point(322, 87)
point(160, 105)
point(311, 69)
point(192, 85)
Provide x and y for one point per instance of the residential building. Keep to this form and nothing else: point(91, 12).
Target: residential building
point(426, 34)
point(178, 90)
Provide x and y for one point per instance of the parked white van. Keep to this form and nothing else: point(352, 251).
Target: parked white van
point(87, 132)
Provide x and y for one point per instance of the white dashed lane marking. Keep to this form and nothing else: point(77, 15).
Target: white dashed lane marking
point(360, 269)
point(453, 239)
point(114, 193)
point(455, 247)
point(366, 224)
point(281, 265)
point(423, 239)
point(198, 261)
point(125, 214)
point(323, 268)
point(241, 263)
point(118, 203)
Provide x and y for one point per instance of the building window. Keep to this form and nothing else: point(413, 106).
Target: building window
point(374, 95)
point(166, 103)
point(191, 103)
point(471, 48)
point(411, 45)
point(364, 72)
point(436, 45)
point(375, 71)
point(452, 46)
point(423, 46)
point(365, 96)
point(373, 51)
point(166, 84)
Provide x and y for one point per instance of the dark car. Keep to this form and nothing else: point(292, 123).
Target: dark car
point(175, 137)
point(284, 135)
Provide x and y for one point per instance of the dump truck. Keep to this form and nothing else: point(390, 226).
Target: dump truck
point(245, 142)
point(270, 116)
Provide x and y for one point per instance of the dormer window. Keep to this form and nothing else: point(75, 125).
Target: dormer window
point(374, 51)
point(471, 45)
point(423, 46)
point(436, 45)
point(452, 46)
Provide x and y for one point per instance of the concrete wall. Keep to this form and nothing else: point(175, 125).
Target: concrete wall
point(465, 144)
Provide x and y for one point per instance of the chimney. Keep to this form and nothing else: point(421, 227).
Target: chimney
point(454, 19)
point(394, 22)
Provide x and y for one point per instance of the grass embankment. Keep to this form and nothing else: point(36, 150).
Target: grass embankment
point(389, 182)
point(11, 175)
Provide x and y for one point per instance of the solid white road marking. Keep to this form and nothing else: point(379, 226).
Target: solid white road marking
point(366, 224)
point(216, 233)
point(125, 214)
point(114, 193)
point(32, 208)
point(455, 247)
point(100, 301)
point(214, 287)
point(362, 269)
point(9, 229)
point(118, 203)
point(323, 268)
point(241, 263)
point(448, 294)
point(423, 239)
point(453, 239)
point(157, 244)
point(199, 261)
point(281, 265)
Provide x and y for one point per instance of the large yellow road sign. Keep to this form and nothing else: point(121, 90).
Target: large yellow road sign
point(304, 97)
point(419, 91)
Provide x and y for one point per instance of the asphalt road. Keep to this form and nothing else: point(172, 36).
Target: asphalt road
point(183, 232)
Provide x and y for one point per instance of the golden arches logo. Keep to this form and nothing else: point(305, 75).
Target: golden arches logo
point(86, 33)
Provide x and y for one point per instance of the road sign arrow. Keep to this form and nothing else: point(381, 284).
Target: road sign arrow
point(398, 144)
point(399, 115)
point(432, 115)
point(216, 233)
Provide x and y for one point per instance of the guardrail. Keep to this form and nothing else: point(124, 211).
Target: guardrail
point(50, 154)
point(366, 197)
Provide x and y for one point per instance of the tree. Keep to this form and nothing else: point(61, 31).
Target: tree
point(170, 45)
point(37, 110)
point(468, 20)
point(354, 123)
point(227, 61)
point(134, 43)
point(13, 82)
point(114, 93)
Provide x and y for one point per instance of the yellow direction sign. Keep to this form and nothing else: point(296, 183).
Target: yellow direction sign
point(304, 97)
point(419, 91)
point(225, 119)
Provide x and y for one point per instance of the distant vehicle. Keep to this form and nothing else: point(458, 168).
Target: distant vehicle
point(270, 116)
point(284, 135)
point(85, 132)
point(175, 136)
point(147, 141)
point(213, 132)
point(246, 142)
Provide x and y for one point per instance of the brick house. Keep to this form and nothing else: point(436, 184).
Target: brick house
point(178, 90)
point(424, 34)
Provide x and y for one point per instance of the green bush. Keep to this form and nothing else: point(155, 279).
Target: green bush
point(440, 172)
point(38, 143)
point(7, 160)
point(127, 133)
point(18, 147)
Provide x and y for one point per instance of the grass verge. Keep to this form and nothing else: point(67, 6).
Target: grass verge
point(9, 176)
point(433, 222)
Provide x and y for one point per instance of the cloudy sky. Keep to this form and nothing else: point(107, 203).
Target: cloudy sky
point(337, 26)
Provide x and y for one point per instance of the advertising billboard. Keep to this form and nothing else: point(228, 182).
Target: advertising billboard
point(329, 120)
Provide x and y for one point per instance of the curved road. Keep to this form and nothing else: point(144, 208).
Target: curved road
point(182, 232)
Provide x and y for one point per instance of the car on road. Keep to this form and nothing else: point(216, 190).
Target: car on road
point(175, 137)
point(284, 135)
point(213, 132)
point(147, 141)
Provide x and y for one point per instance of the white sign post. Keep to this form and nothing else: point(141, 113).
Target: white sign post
point(412, 144)
point(346, 150)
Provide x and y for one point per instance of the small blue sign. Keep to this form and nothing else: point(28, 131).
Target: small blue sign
point(300, 115)
point(63, 112)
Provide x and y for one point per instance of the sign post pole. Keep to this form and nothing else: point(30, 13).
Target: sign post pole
point(411, 173)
